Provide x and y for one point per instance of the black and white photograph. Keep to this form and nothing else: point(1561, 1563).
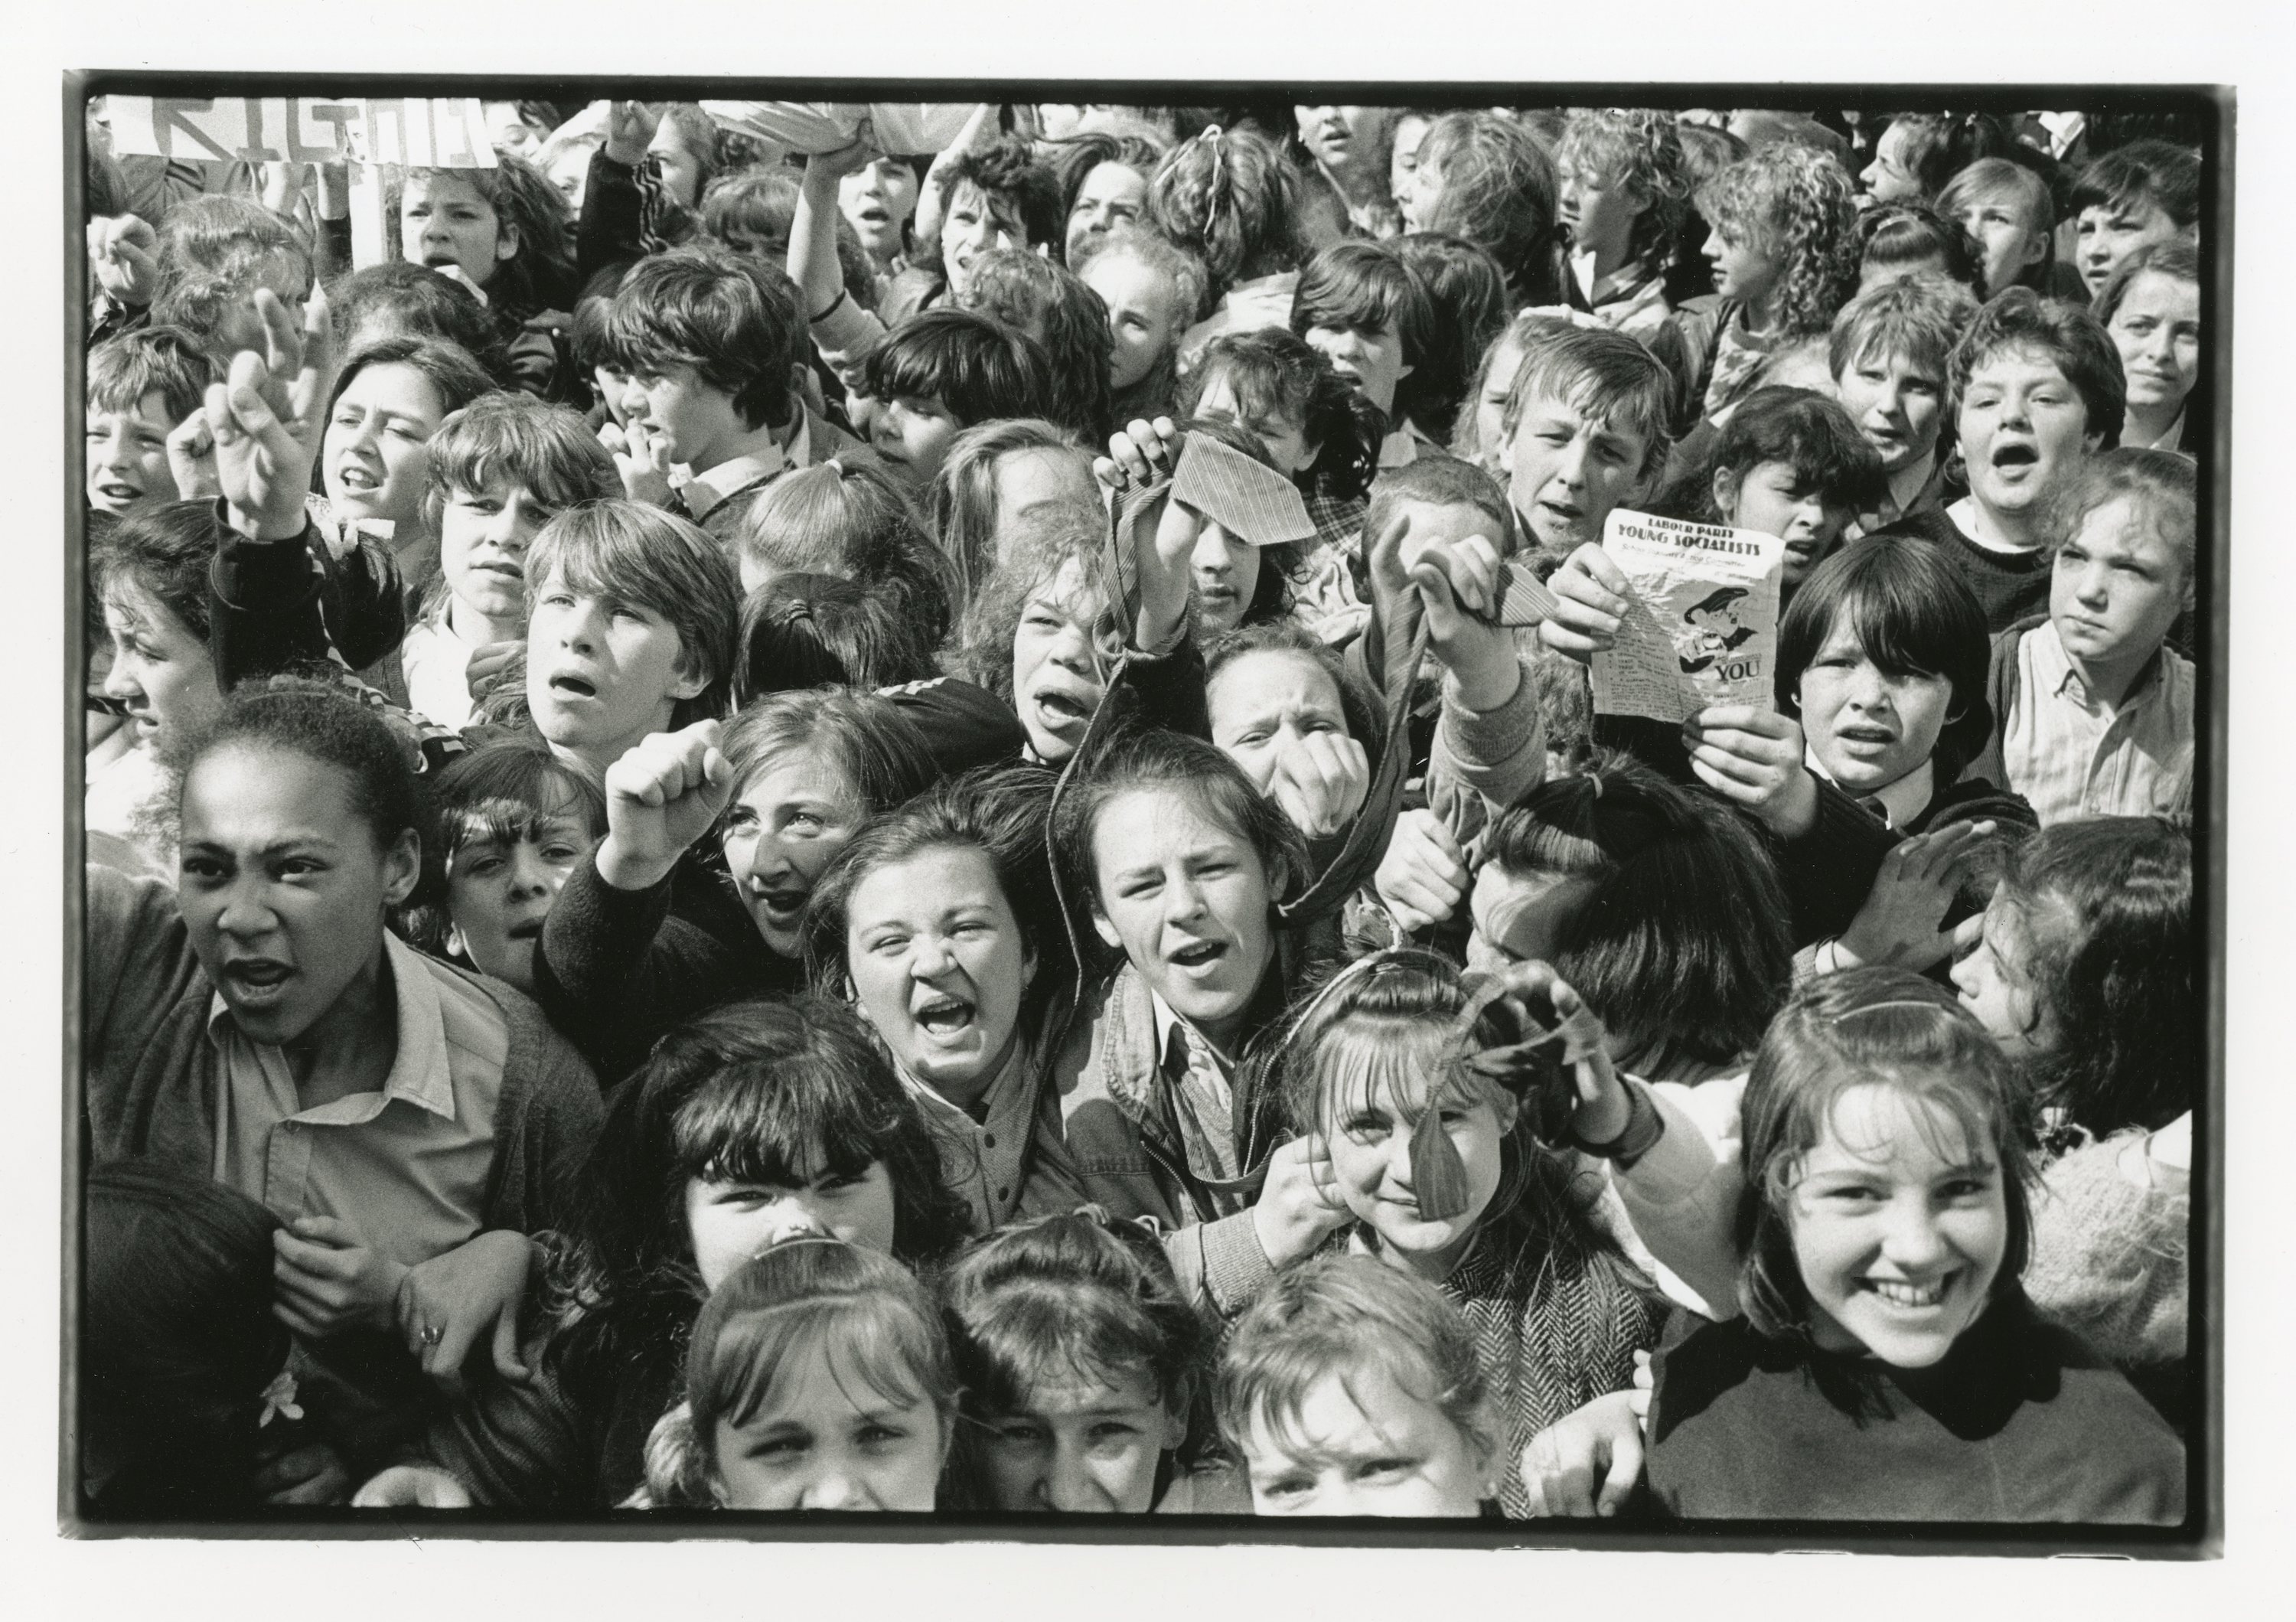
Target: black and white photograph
point(1394, 815)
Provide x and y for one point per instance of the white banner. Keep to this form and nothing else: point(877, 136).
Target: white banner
point(414, 131)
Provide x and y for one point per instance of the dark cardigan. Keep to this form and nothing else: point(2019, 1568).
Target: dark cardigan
point(2020, 1422)
point(152, 1074)
point(2008, 585)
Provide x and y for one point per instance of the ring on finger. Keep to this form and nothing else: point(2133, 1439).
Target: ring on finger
point(432, 1334)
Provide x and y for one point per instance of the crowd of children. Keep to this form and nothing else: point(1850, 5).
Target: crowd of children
point(783, 825)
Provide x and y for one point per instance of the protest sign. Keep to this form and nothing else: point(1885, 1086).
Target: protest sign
point(418, 132)
point(1702, 621)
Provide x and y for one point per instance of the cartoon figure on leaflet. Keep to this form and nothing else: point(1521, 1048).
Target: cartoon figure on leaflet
point(1713, 620)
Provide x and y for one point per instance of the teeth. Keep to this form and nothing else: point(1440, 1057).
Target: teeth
point(1907, 1295)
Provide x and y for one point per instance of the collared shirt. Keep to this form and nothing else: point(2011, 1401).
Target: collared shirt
point(702, 492)
point(407, 1165)
point(1898, 804)
point(1202, 1094)
point(437, 664)
point(981, 1155)
point(2072, 756)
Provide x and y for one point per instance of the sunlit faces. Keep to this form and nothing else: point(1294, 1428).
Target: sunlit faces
point(2004, 230)
point(1901, 1224)
point(507, 130)
point(829, 1438)
point(1773, 498)
point(1370, 1138)
point(1890, 177)
point(1362, 1444)
point(1286, 437)
point(2023, 426)
point(2157, 329)
point(939, 966)
point(2106, 234)
point(1061, 651)
point(1263, 704)
point(1144, 316)
point(283, 886)
point(1112, 194)
point(1186, 899)
point(1338, 136)
point(1743, 269)
point(601, 673)
point(1030, 482)
point(1996, 986)
point(2116, 587)
point(163, 674)
point(499, 891)
point(731, 1219)
point(1898, 403)
point(879, 198)
point(976, 222)
point(1403, 159)
point(483, 536)
point(1224, 572)
point(127, 455)
point(696, 420)
point(784, 824)
point(376, 453)
point(1084, 1446)
point(1566, 469)
point(1867, 726)
point(910, 434)
point(1598, 208)
point(1519, 917)
point(444, 219)
point(1370, 358)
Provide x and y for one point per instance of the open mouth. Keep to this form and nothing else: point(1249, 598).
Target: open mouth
point(2015, 457)
point(781, 906)
point(573, 687)
point(1061, 710)
point(256, 980)
point(942, 1015)
point(111, 489)
point(531, 929)
point(353, 476)
point(871, 214)
point(1198, 955)
point(1561, 512)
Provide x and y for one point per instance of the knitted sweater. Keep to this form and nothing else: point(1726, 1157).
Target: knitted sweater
point(152, 1074)
point(2008, 585)
point(2110, 1256)
point(2019, 1423)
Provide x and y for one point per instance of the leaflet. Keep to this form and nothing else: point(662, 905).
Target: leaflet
point(1701, 625)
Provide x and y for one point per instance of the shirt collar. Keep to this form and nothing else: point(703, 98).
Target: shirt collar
point(701, 491)
point(419, 1074)
point(1170, 1024)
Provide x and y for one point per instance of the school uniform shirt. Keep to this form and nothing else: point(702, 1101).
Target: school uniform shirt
point(984, 1154)
point(2072, 756)
point(435, 663)
point(2009, 585)
point(1202, 1093)
point(407, 1165)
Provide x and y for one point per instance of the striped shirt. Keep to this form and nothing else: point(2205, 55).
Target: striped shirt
point(2072, 756)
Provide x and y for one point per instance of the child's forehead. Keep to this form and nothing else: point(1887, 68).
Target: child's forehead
point(1893, 1126)
point(2121, 526)
point(2017, 362)
point(1355, 1411)
point(1064, 1392)
point(437, 186)
point(1574, 408)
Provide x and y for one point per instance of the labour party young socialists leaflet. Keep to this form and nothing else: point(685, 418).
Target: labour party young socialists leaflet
point(1702, 621)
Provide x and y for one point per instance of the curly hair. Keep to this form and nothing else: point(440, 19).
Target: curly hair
point(1273, 372)
point(1232, 199)
point(1640, 151)
point(539, 276)
point(1798, 205)
point(1045, 300)
point(1007, 169)
point(1497, 191)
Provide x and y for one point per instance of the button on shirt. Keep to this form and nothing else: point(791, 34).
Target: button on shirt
point(407, 1165)
point(2071, 756)
point(1203, 1096)
point(980, 1158)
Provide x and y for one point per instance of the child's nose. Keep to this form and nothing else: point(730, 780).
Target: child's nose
point(1068, 1486)
point(244, 912)
point(1912, 1240)
point(836, 1488)
point(530, 874)
point(119, 684)
point(929, 956)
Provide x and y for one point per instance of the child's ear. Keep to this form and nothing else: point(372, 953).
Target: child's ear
point(690, 679)
point(456, 947)
point(1027, 967)
point(506, 239)
point(1507, 1108)
point(1490, 1461)
point(1725, 494)
point(1102, 928)
point(402, 867)
point(1176, 1426)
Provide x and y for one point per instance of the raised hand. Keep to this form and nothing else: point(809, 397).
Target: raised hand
point(1754, 756)
point(1457, 580)
point(1423, 876)
point(1146, 454)
point(660, 797)
point(265, 419)
point(1298, 1204)
point(123, 252)
point(1602, 1112)
point(642, 460)
point(1321, 779)
point(446, 1303)
point(1591, 594)
point(191, 459)
point(630, 129)
point(1903, 919)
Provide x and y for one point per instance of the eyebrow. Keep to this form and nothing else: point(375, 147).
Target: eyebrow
point(293, 841)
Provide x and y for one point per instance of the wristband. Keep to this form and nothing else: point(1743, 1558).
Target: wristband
point(1643, 1128)
point(829, 309)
